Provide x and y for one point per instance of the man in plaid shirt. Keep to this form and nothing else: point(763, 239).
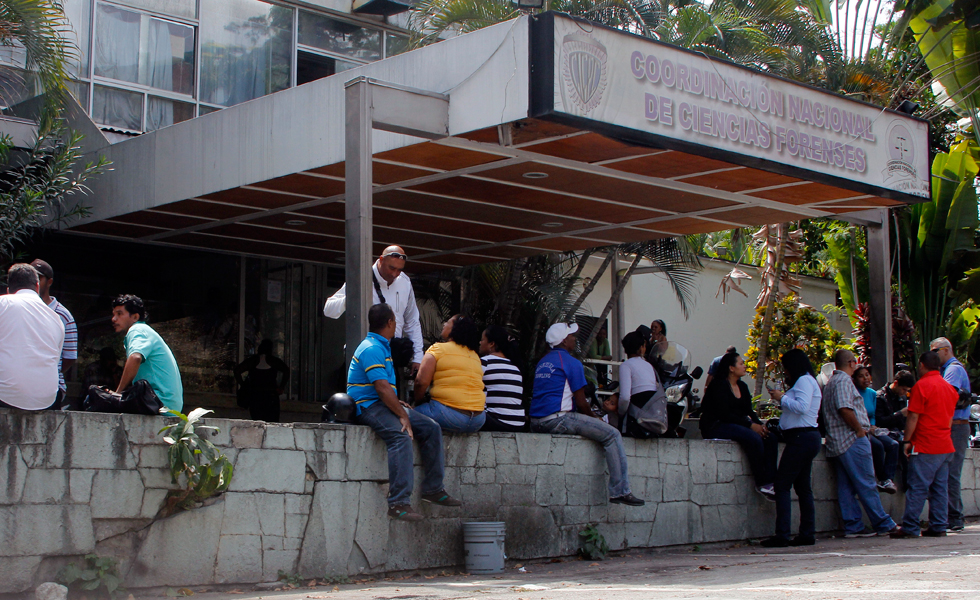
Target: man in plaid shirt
point(847, 425)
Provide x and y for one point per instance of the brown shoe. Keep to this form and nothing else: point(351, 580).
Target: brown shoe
point(441, 498)
point(404, 512)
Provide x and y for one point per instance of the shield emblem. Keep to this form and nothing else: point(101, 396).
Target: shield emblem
point(584, 71)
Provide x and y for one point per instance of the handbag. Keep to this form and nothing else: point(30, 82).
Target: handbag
point(652, 414)
point(402, 348)
point(138, 399)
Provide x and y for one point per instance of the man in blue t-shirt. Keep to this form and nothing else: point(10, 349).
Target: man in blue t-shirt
point(955, 375)
point(371, 383)
point(147, 355)
point(558, 405)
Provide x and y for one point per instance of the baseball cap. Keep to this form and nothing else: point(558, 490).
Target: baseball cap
point(43, 268)
point(558, 332)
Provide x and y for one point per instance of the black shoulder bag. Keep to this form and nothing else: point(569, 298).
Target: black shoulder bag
point(138, 399)
point(402, 348)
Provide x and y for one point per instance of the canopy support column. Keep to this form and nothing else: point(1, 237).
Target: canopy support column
point(880, 300)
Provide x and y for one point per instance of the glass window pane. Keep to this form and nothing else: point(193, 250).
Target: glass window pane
point(205, 110)
point(395, 44)
point(161, 112)
point(246, 50)
point(79, 13)
point(340, 37)
point(117, 43)
point(79, 89)
point(169, 62)
point(177, 8)
point(117, 108)
point(310, 66)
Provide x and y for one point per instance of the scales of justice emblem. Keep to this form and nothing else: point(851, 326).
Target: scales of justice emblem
point(583, 68)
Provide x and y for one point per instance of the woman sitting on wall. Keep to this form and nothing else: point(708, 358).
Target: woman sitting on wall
point(798, 424)
point(638, 387)
point(261, 390)
point(503, 380)
point(456, 374)
point(726, 414)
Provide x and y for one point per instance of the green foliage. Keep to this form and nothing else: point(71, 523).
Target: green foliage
point(594, 546)
point(337, 579)
point(847, 249)
point(204, 470)
point(289, 578)
point(96, 572)
point(794, 326)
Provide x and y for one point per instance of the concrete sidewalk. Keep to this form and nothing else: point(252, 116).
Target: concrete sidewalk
point(929, 568)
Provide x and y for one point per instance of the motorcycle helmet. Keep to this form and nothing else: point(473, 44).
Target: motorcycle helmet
point(340, 407)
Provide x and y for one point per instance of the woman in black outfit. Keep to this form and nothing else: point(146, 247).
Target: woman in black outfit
point(263, 386)
point(726, 414)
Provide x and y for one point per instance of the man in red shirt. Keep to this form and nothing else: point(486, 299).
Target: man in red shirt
point(929, 448)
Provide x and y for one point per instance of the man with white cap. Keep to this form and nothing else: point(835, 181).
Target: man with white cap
point(559, 405)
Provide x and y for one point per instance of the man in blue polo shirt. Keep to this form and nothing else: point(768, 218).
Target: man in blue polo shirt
point(955, 375)
point(559, 391)
point(371, 383)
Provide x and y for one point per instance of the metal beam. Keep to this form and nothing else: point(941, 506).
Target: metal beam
point(880, 300)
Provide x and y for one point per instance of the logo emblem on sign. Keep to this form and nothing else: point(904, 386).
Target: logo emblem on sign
point(901, 153)
point(583, 67)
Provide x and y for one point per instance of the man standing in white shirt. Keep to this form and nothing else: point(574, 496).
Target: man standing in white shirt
point(396, 287)
point(69, 351)
point(31, 338)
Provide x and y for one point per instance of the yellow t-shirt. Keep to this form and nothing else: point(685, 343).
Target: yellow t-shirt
point(458, 380)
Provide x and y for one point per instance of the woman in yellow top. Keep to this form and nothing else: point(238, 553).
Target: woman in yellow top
point(456, 374)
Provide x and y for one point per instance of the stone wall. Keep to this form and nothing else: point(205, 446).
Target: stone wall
point(310, 498)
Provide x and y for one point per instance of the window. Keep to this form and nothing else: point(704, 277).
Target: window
point(339, 37)
point(395, 44)
point(310, 66)
point(246, 50)
point(117, 108)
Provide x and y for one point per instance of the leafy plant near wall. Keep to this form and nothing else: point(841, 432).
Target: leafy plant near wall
point(903, 335)
point(794, 325)
point(97, 571)
point(594, 546)
point(204, 470)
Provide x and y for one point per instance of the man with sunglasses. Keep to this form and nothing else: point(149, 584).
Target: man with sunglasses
point(396, 288)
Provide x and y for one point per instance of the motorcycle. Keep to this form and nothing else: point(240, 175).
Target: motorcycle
point(672, 363)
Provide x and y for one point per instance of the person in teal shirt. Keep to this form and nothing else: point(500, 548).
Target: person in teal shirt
point(147, 355)
point(884, 450)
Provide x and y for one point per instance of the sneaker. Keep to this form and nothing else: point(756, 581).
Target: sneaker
point(768, 492)
point(628, 499)
point(441, 498)
point(861, 534)
point(957, 528)
point(933, 533)
point(404, 512)
point(888, 486)
point(802, 540)
point(889, 532)
point(775, 541)
point(901, 534)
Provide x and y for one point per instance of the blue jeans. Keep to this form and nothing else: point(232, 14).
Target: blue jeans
point(760, 451)
point(856, 477)
point(929, 475)
point(802, 446)
point(960, 433)
point(450, 419)
point(400, 457)
point(594, 429)
point(884, 450)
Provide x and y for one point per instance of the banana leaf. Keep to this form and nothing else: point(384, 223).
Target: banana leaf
point(950, 52)
point(841, 251)
point(963, 325)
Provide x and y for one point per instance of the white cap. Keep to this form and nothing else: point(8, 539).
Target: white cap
point(558, 332)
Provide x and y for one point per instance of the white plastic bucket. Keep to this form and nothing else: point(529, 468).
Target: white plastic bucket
point(483, 547)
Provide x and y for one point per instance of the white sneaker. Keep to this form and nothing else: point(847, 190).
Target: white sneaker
point(768, 492)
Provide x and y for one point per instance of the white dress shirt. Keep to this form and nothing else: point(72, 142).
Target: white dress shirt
point(399, 296)
point(31, 337)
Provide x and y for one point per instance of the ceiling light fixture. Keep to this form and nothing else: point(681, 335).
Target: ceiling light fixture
point(295, 222)
point(552, 224)
point(535, 175)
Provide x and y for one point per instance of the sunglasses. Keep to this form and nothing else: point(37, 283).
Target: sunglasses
point(396, 255)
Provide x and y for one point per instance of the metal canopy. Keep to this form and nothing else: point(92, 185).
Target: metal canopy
point(267, 178)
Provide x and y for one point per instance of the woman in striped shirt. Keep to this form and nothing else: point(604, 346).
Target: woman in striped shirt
point(503, 380)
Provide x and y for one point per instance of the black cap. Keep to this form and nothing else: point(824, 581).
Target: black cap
point(43, 269)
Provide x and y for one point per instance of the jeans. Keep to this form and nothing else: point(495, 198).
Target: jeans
point(929, 475)
point(960, 433)
point(855, 476)
point(802, 446)
point(429, 436)
point(594, 429)
point(493, 423)
point(884, 451)
point(450, 419)
point(761, 451)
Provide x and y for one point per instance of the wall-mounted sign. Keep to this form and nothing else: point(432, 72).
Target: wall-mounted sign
point(744, 116)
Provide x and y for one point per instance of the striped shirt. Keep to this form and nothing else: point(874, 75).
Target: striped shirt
point(70, 349)
point(837, 394)
point(505, 390)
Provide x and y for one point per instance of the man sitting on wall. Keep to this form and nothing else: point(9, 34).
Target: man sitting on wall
point(559, 391)
point(891, 409)
point(147, 355)
point(31, 337)
point(371, 383)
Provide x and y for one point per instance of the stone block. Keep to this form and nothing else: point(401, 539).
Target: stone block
point(677, 523)
point(480, 500)
point(239, 559)
point(159, 478)
point(108, 528)
point(644, 467)
point(117, 494)
point(646, 449)
point(615, 534)
point(726, 471)
point(327, 465)
point(634, 515)
point(93, 441)
point(371, 534)
point(46, 529)
point(270, 471)
point(154, 456)
point(272, 514)
point(298, 504)
point(19, 428)
point(152, 502)
point(272, 542)
point(367, 459)
point(295, 525)
point(18, 573)
point(672, 452)
point(517, 495)
point(142, 430)
point(467, 475)
point(713, 494)
point(35, 456)
point(577, 488)
point(80, 485)
point(241, 515)
point(650, 489)
point(414, 545)
point(558, 450)
point(505, 448)
point(549, 485)
point(531, 531)
point(247, 435)
point(305, 439)
point(221, 435)
point(703, 462)
point(486, 456)
point(677, 483)
point(584, 457)
point(532, 448)
point(638, 534)
point(485, 475)
point(51, 591)
point(274, 561)
point(572, 515)
point(46, 486)
point(15, 474)
point(509, 474)
point(279, 437)
point(460, 450)
point(330, 531)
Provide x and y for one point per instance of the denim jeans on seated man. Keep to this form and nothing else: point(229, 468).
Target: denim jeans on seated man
point(451, 419)
point(573, 423)
point(928, 478)
point(960, 434)
point(856, 477)
point(885, 451)
point(400, 456)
